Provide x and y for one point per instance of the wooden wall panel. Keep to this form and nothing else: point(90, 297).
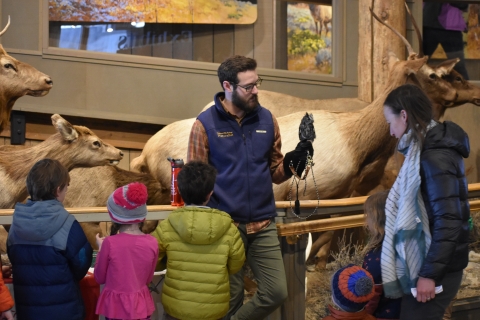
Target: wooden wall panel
point(125, 162)
point(25, 21)
point(222, 42)
point(182, 42)
point(163, 47)
point(54, 38)
point(351, 44)
point(364, 67)
point(468, 117)
point(141, 45)
point(392, 12)
point(263, 34)
point(203, 42)
point(244, 40)
point(280, 40)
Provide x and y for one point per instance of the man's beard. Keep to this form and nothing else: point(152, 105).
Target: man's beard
point(243, 104)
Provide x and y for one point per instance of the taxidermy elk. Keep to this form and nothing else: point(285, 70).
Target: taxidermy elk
point(335, 130)
point(91, 187)
point(16, 80)
point(73, 146)
point(466, 93)
point(153, 157)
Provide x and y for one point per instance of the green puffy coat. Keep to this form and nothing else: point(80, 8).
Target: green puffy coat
point(203, 247)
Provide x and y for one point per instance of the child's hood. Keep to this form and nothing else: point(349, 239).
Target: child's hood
point(38, 220)
point(199, 225)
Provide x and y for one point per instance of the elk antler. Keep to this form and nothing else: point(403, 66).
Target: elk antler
point(6, 27)
point(407, 44)
point(417, 30)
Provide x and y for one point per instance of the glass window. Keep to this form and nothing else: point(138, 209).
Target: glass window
point(451, 30)
point(169, 29)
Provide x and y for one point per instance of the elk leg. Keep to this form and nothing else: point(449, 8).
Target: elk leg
point(321, 257)
point(320, 242)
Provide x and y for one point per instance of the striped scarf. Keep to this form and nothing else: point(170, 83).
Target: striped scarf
point(407, 234)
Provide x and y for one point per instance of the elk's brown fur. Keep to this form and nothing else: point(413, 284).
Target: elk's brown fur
point(91, 187)
point(16, 80)
point(73, 146)
point(355, 139)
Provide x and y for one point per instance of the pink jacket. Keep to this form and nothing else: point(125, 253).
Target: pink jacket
point(125, 265)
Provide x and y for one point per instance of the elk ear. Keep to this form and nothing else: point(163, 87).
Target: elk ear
point(412, 66)
point(447, 66)
point(66, 130)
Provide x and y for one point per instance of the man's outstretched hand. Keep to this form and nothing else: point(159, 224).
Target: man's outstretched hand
point(298, 158)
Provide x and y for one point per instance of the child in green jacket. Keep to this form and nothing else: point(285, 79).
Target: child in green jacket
point(203, 247)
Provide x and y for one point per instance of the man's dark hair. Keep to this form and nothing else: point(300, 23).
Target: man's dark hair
point(229, 69)
point(196, 181)
point(44, 179)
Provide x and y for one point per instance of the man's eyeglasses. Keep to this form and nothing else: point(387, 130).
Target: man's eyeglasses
point(249, 87)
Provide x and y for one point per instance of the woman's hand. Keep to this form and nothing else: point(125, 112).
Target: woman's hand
point(8, 315)
point(425, 289)
point(6, 271)
point(99, 241)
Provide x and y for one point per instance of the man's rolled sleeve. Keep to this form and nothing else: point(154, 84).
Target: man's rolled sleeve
point(198, 148)
point(276, 158)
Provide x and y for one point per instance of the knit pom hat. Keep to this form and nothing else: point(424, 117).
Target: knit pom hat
point(352, 288)
point(127, 204)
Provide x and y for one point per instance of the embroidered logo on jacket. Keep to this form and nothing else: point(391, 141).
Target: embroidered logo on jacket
point(261, 131)
point(225, 134)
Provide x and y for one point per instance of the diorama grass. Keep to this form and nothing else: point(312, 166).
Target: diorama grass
point(306, 63)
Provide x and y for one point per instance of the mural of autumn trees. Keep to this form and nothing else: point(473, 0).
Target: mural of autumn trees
point(155, 11)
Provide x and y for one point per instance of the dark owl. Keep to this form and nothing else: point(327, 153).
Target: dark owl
point(306, 130)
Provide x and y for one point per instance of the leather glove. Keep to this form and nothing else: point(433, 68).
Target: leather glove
point(298, 157)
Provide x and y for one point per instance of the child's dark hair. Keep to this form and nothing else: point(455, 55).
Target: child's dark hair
point(45, 177)
point(196, 181)
point(115, 227)
point(375, 218)
point(229, 69)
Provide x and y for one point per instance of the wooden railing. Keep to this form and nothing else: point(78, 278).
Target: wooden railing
point(347, 213)
point(344, 206)
point(348, 206)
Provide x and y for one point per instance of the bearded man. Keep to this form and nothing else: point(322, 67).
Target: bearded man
point(241, 139)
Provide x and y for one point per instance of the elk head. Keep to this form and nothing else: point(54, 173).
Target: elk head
point(402, 70)
point(467, 92)
point(82, 148)
point(16, 80)
point(440, 92)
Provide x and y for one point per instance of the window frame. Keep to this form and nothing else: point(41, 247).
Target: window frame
point(188, 66)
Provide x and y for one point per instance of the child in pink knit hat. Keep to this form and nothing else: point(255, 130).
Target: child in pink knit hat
point(126, 261)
